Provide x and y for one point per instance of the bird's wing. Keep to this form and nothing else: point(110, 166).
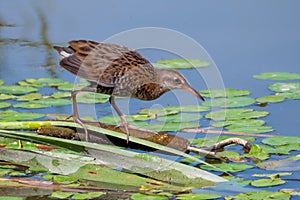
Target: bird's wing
point(104, 64)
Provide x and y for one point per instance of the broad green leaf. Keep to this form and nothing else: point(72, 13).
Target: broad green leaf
point(262, 194)
point(267, 182)
point(91, 98)
point(61, 194)
point(10, 115)
point(10, 198)
point(4, 105)
point(60, 94)
point(88, 195)
point(232, 155)
point(274, 175)
point(277, 76)
point(197, 196)
point(234, 114)
point(29, 97)
point(290, 95)
point(227, 92)
point(188, 108)
point(270, 99)
point(230, 102)
point(43, 103)
point(285, 87)
point(140, 196)
point(184, 117)
point(6, 96)
point(181, 63)
point(282, 149)
point(239, 123)
point(50, 81)
point(228, 167)
point(281, 140)
point(257, 152)
point(158, 112)
point(16, 89)
point(250, 129)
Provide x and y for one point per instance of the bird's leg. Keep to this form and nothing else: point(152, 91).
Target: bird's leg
point(121, 115)
point(75, 114)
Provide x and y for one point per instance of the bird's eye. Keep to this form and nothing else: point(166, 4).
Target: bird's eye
point(177, 80)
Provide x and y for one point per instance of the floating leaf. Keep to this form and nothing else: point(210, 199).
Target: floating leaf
point(92, 98)
point(285, 87)
point(60, 94)
point(290, 95)
point(227, 92)
point(50, 81)
point(16, 89)
point(209, 141)
point(262, 194)
point(270, 99)
point(281, 140)
point(181, 63)
point(257, 152)
point(228, 167)
point(10, 115)
point(277, 76)
point(234, 114)
point(158, 112)
point(197, 196)
point(274, 175)
point(250, 129)
point(232, 155)
point(230, 102)
point(267, 182)
point(184, 117)
point(188, 108)
point(239, 123)
point(29, 97)
point(6, 96)
point(138, 196)
point(43, 103)
point(5, 104)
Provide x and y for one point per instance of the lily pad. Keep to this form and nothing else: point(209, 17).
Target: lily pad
point(228, 167)
point(181, 63)
point(138, 196)
point(250, 129)
point(281, 140)
point(227, 92)
point(5, 104)
point(16, 89)
point(285, 87)
point(43, 103)
point(290, 95)
point(267, 182)
point(6, 96)
point(234, 114)
point(158, 112)
point(277, 76)
point(10, 115)
point(262, 194)
point(184, 117)
point(92, 98)
point(60, 94)
point(197, 196)
point(230, 102)
point(270, 99)
point(209, 141)
point(257, 152)
point(239, 123)
point(29, 97)
point(188, 108)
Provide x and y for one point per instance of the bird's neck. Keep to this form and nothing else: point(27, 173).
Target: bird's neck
point(150, 91)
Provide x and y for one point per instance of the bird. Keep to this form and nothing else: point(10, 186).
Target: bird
point(117, 71)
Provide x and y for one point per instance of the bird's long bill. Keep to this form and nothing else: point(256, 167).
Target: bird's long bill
point(193, 91)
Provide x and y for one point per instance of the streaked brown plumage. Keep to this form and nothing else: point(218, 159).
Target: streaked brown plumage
point(117, 71)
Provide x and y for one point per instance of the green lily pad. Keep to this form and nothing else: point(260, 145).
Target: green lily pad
point(234, 114)
point(158, 112)
point(5, 104)
point(227, 92)
point(184, 117)
point(209, 141)
point(270, 99)
point(197, 196)
point(250, 129)
point(10, 115)
point(181, 63)
point(43, 103)
point(232, 155)
point(277, 76)
point(257, 152)
point(239, 123)
point(281, 140)
point(138, 196)
point(274, 175)
point(290, 95)
point(1, 81)
point(227, 167)
point(188, 108)
point(285, 87)
point(267, 182)
point(50, 81)
point(16, 89)
point(59, 95)
point(6, 96)
point(230, 102)
point(29, 97)
point(92, 98)
point(262, 194)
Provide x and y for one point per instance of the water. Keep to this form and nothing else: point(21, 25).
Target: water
point(243, 39)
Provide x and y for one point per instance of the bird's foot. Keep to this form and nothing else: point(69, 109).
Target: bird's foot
point(79, 121)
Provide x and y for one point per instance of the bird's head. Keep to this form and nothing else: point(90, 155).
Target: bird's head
point(172, 79)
